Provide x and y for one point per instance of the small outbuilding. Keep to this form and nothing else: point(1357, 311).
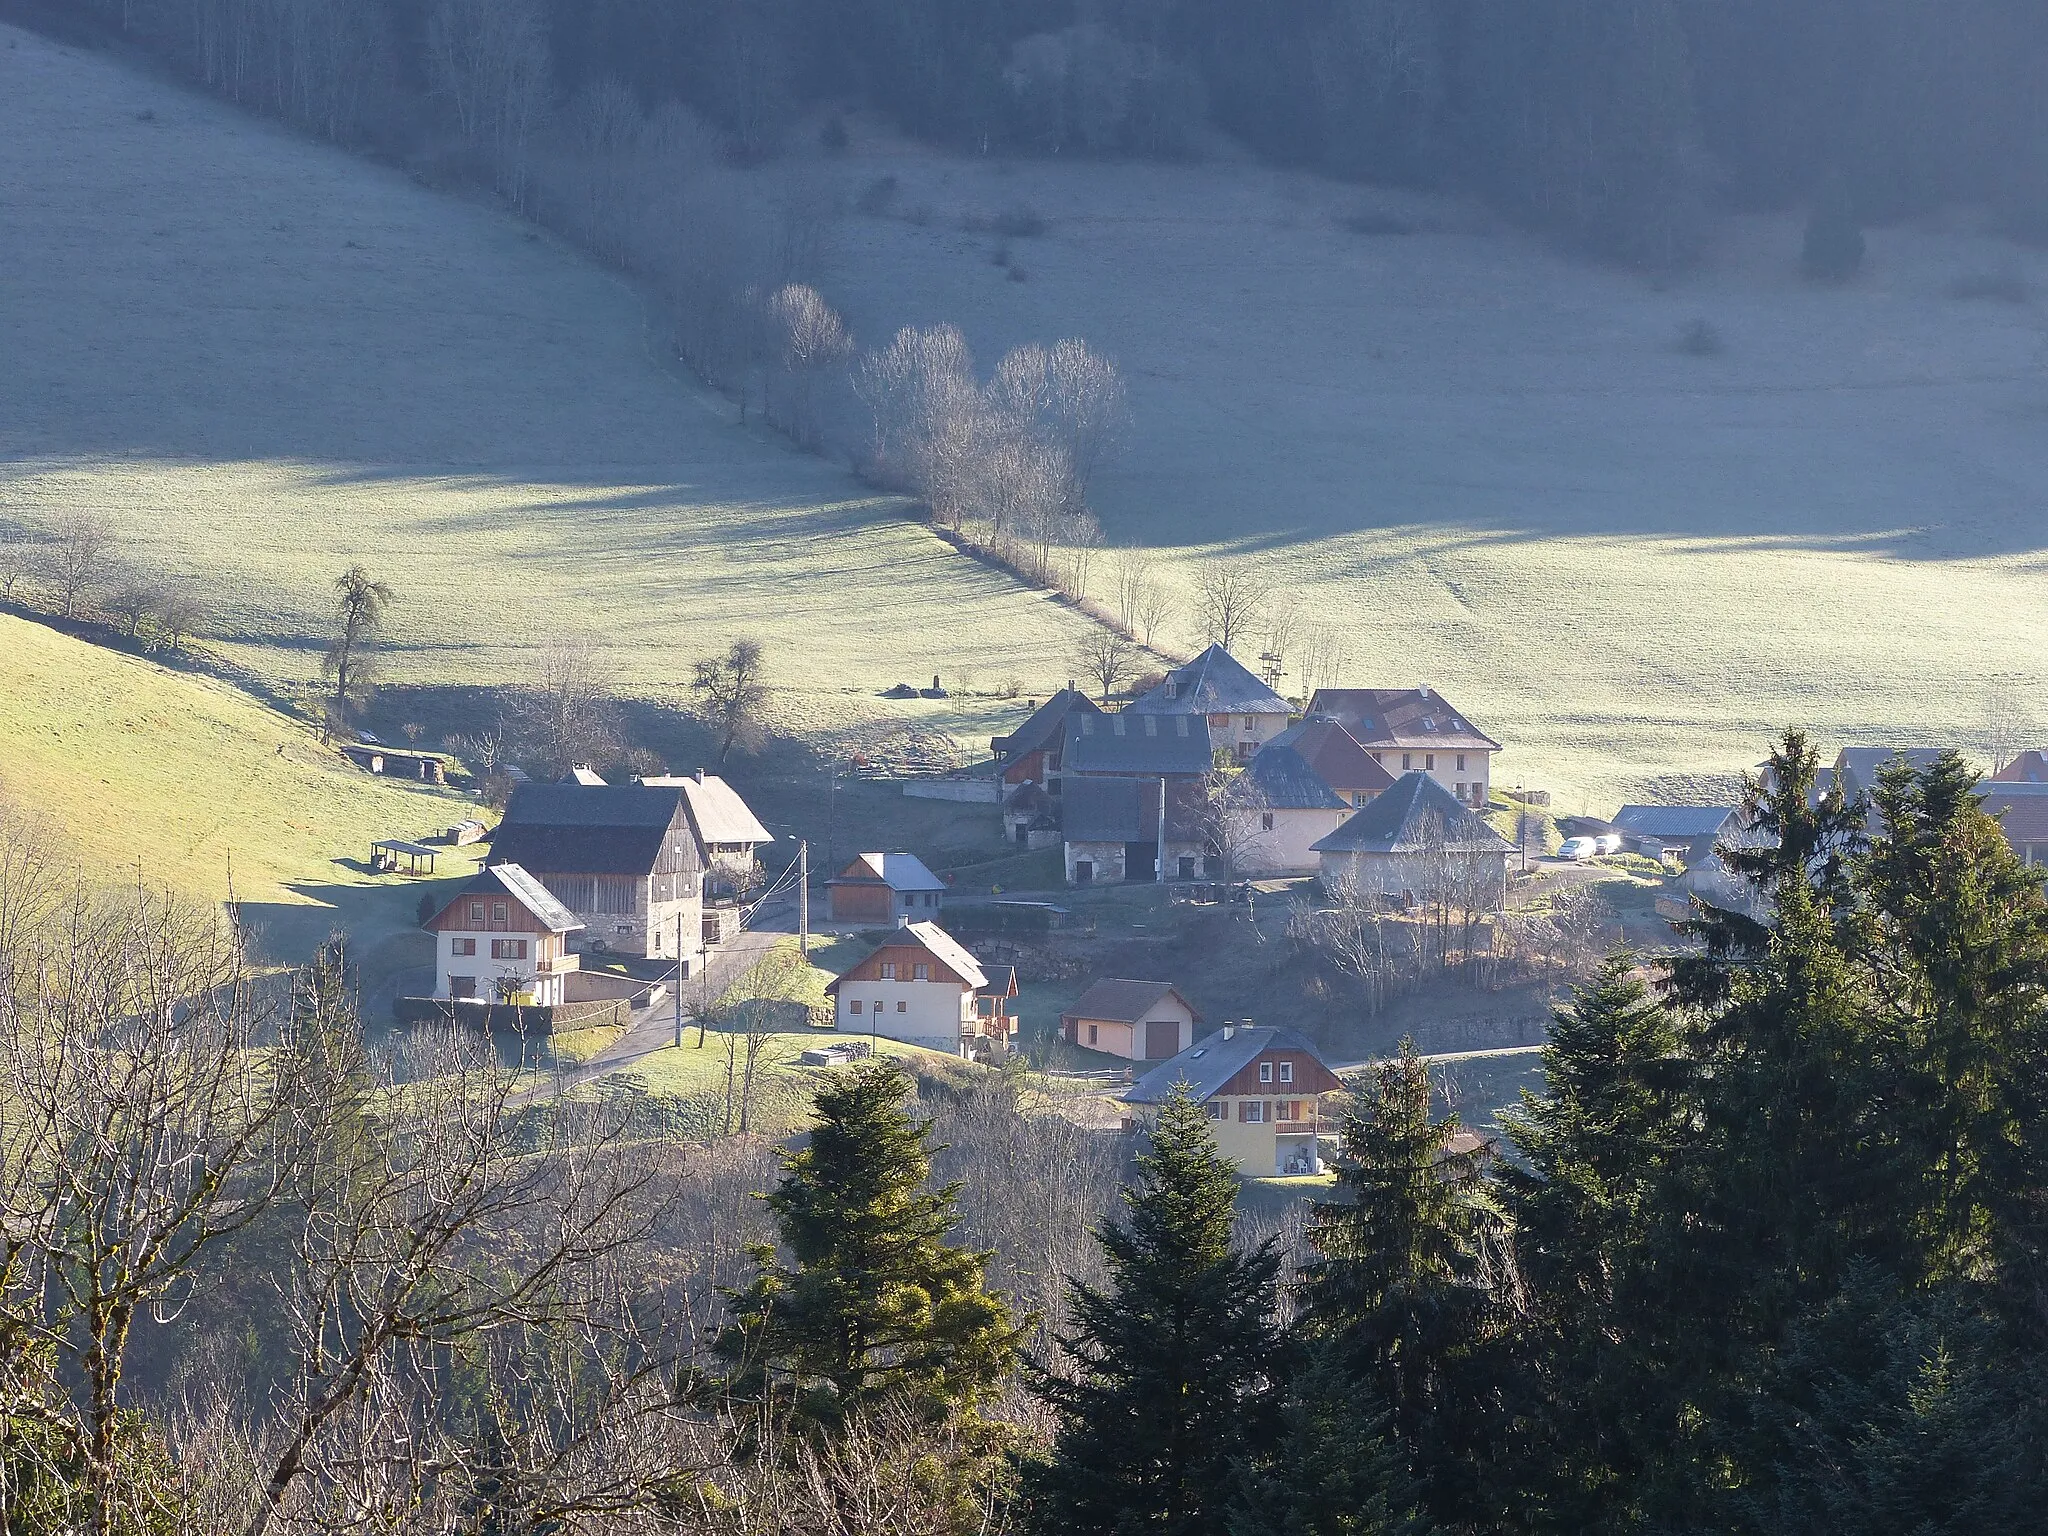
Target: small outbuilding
point(1137, 1020)
point(884, 888)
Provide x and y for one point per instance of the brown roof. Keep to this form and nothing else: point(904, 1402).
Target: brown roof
point(1400, 717)
point(2024, 817)
point(1335, 755)
point(1122, 1001)
point(934, 941)
point(2030, 767)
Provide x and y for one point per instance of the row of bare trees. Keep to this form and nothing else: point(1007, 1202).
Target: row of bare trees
point(1007, 462)
point(78, 571)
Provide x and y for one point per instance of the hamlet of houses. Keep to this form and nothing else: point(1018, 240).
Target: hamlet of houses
point(1208, 776)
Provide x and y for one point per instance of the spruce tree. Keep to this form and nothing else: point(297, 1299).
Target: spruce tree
point(877, 1306)
point(1175, 1362)
point(1336, 1470)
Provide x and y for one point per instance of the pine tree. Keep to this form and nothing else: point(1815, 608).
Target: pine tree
point(1175, 1362)
point(1596, 1145)
point(877, 1306)
point(1335, 1472)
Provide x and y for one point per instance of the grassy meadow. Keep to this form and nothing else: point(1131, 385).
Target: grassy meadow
point(135, 771)
point(263, 359)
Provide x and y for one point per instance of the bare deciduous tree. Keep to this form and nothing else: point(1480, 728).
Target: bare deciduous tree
point(570, 714)
point(136, 603)
point(732, 696)
point(1105, 657)
point(489, 60)
point(807, 337)
point(927, 412)
point(1154, 609)
point(80, 559)
point(360, 603)
point(1229, 596)
point(1323, 658)
point(2008, 726)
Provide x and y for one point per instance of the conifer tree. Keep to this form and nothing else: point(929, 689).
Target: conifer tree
point(1399, 1292)
point(877, 1306)
point(1336, 1471)
point(1176, 1361)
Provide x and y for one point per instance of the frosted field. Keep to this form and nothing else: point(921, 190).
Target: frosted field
point(264, 359)
point(1496, 468)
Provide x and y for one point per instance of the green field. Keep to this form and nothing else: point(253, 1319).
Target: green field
point(263, 359)
point(137, 771)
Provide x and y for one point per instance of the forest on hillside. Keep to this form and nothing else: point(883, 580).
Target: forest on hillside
point(1618, 124)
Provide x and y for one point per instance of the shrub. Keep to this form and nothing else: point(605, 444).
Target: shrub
point(1700, 338)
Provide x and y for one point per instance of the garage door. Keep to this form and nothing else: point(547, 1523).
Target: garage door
point(1162, 1039)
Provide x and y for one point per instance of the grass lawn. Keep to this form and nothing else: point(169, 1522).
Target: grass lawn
point(139, 770)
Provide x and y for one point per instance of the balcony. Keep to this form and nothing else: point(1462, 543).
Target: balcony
point(557, 966)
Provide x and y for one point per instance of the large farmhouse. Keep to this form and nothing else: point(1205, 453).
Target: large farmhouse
point(1242, 713)
point(1415, 730)
point(1410, 841)
point(623, 858)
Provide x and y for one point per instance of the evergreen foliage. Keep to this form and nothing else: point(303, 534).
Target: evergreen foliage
point(877, 1307)
point(1335, 1471)
point(1175, 1364)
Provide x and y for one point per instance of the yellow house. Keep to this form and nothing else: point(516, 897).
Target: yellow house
point(1264, 1090)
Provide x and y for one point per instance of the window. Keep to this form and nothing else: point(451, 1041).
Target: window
point(1084, 871)
point(1172, 689)
point(855, 1005)
point(1250, 724)
point(462, 986)
point(1265, 1071)
point(931, 898)
point(463, 947)
point(921, 972)
point(1265, 821)
point(1407, 762)
point(888, 970)
point(1286, 1071)
point(508, 949)
point(1461, 762)
point(1461, 790)
point(1429, 761)
point(1252, 1112)
point(901, 1006)
point(1288, 1109)
point(1219, 1109)
point(1094, 1033)
point(500, 913)
point(1188, 865)
point(476, 911)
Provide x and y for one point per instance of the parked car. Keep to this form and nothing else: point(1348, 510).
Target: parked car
point(1578, 849)
point(1607, 842)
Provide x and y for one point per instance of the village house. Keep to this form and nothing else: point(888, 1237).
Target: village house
point(1335, 757)
point(1031, 816)
point(2021, 806)
point(883, 888)
point(1124, 745)
point(1692, 831)
point(2030, 767)
point(1411, 843)
point(503, 938)
point(922, 987)
point(1242, 713)
point(1110, 829)
point(1271, 821)
point(1137, 1020)
point(1264, 1091)
point(623, 858)
point(727, 829)
point(1410, 730)
point(1031, 753)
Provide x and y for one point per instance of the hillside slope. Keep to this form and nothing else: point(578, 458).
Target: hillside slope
point(1498, 470)
point(139, 772)
point(264, 358)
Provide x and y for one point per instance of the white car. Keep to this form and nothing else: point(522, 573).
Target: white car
point(1578, 849)
point(1606, 843)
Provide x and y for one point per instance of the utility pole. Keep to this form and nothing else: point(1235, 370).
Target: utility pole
point(679, 981)
point(1160, 872)
point(803, 898)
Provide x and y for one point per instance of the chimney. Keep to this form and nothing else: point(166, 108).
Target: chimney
point(1423, 689)
point(700, 775)
point(1229, 1030)
point(902, 919)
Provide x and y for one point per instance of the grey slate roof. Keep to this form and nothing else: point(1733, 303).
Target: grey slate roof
point(1393, 822)
point(1107, 810)
point(1124, 1001)
point(716, 809)
point(898, 871)
point(1856, 769)
point(1175, 745)
point(1215, 682)
point(1400, 717)
point(613, 829)
point(1043, 726)
point(1213, 1061)
point(511, 880)
point(1673, 821)
point(1287, 783)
